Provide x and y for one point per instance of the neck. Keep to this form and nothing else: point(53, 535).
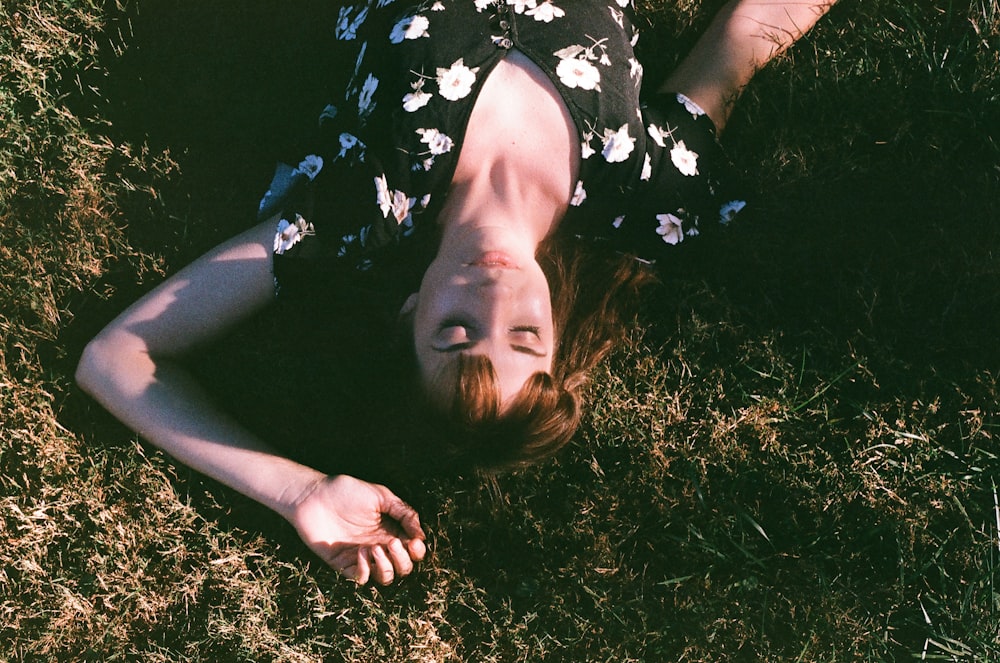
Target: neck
point(499, 195)
point(474, 221)
point(519, 160)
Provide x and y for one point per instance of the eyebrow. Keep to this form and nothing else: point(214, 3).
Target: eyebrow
point(467, 345)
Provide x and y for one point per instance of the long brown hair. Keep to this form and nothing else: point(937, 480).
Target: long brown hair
point(594, 296)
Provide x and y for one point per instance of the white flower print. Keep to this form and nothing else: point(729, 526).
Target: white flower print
point(438, 142)
point(730, 210)
point(413, 101)
point(618, 145)
point(418, 27)
point(365, 105)
point(437, 6)
point(635, 68)
point(345, 242)
point(310, 166)
point(586, 151)
point(426, 200)
point(618, 16)
point(357, 63)
point(401, 205)
point(623, 3)
point(482, 4)
point(658, 135)
point(456, 82)
point(347, 27)
point(349, 142)
point(574, 72)
point(410, 27)
point(328, 113)
point(690, 105)
point(684, 159)
point(670, 228)
point(583, 52)
point(647, 169)
point(521, 5)
point(579, 195)
point(617, 223)
point(545, 12)
point(352, 85)
point(382, 197)
point(289, 234)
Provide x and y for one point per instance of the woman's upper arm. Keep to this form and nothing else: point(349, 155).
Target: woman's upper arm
point(743, 37)
point(219, 289)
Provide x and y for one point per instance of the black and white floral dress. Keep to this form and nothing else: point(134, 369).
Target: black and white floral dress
point(651, 173)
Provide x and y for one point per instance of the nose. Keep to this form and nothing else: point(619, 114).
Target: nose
point(493, 302)
point(494, 291)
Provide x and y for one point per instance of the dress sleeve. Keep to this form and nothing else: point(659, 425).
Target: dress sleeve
point(334, 218)
point(687, 187)
point(289, 203)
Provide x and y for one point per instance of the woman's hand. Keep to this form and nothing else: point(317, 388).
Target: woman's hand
point(361, 529)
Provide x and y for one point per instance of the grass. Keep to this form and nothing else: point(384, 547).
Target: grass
point(793, 458)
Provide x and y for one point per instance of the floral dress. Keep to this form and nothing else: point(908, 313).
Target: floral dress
point(651, 171)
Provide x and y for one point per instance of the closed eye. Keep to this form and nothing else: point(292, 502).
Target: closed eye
point(455, 322)
point(525, 328)
point(457, 335)
point(455, 347)
point(531, 335)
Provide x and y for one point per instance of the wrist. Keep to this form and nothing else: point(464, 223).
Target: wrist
point(297, 484)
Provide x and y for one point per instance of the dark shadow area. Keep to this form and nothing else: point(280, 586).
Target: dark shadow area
point(894, 251)
point(227, 80)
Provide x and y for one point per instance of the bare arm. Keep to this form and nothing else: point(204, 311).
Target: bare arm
point(742, 38)
point(128, 368)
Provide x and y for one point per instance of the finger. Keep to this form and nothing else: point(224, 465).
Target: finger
point(350, 572)
point(400, 558)
point(344, 558)
point(363, 567)
point(405, 515)
point(417, 549)
point(383, 566)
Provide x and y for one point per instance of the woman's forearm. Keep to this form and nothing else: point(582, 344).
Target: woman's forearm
point(360, 529)
point(165, 406)
point(743, 37)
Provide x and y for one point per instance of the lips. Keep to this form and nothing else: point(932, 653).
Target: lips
point(496, 259)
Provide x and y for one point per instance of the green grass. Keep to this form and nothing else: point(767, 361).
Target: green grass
point(794, 458)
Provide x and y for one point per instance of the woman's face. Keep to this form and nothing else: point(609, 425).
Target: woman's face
point(491, 303)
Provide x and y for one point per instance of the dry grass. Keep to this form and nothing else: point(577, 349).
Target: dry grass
point(793, 459)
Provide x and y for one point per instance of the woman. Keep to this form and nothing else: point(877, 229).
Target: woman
point(481, 128)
